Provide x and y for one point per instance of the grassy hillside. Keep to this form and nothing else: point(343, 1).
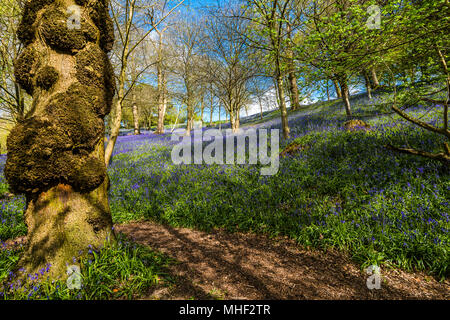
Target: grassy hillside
point(341, 190)
point(344, 189)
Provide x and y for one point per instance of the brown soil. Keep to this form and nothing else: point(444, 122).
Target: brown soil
point(219, 265)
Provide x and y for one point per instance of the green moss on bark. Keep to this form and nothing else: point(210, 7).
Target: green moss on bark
point(24, 68)
point(103, 21)
point(74, 113)
point(56, 155)
point(57, 35)
point(43, 153)
point(34, 150)
point(98, 99)
point(46, 77)
point(27, 30)
point(88, 174)
point(94, 69)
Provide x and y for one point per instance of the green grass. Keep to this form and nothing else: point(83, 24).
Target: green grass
point(121, 270)
point(11, 216)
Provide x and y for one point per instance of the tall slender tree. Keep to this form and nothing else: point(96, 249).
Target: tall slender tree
point(268, 17)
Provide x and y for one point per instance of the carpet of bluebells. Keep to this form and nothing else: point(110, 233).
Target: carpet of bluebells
point(342, 189)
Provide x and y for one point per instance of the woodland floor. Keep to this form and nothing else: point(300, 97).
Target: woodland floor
point(219, 265)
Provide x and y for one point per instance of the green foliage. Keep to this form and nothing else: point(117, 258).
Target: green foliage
point(118, 270)
point(11, 216)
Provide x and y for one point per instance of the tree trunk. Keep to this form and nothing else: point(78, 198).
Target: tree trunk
point(189, 123)
point(161, 88)
point(62, 144)
point(328, 90)
point(62, 222)
point(151, 118)
point(211, 116)
point(292, 78)
point(202, 110)
point(117, 121)
point(220, 123)
point(233, 122)
point(161, 100)
point(283, 109)
point(375, 81)
point(368, 85)
point(260, 107)
point(115, 127)
point(293, 90)
point(346, 97)
point(337, 89)
point(137, 129)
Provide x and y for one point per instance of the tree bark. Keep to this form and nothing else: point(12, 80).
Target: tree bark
point(211, 116)
point(190, 118)
point(346, 97)
point(293, 88)
point(283, 109)
point(260, 108)
point(375, 81)
point(233, 122)
point(220, 122)
point(328, 91)
point(162, 101)
point(337, 89)
point(368, 85)
point(137, 129)
point(115, 126)
point(292, 78)
point(61, 144)
point(62, 222)
point(202, 109)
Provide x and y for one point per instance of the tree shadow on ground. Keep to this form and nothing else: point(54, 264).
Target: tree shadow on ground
point(239, 266)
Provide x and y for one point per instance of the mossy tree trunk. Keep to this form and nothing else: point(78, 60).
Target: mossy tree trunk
point(56, 153)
